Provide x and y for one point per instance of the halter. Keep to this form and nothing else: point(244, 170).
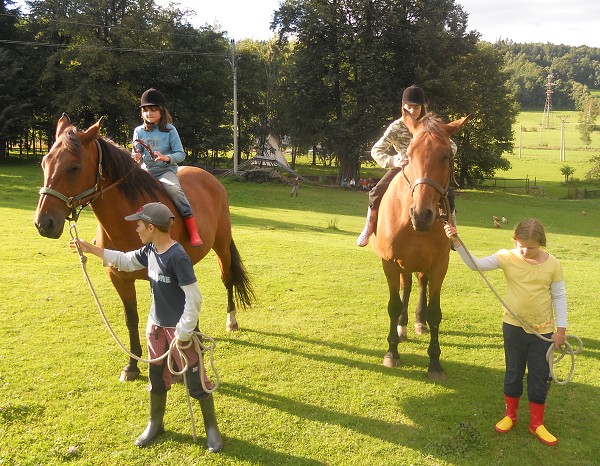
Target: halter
point(86, 197)
point(442, 190)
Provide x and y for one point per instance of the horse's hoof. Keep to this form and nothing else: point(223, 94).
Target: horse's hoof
point(421, 329)
point(436, 376)
point(231, 327)
point(390, 361)
point(402, 333)
point(128, 374)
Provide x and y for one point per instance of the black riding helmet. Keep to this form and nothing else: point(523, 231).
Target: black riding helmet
point(413, 95)
point(153, 97)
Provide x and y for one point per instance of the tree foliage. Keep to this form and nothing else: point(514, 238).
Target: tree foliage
point(590, 108)
point(530, 64)
point(594, 173)
point(331, 81)
point(353, 58)
point(15, 107)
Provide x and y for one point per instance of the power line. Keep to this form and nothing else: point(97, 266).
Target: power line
point(108, 49)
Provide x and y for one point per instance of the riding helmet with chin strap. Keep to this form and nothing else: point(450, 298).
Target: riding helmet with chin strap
point(153, 97)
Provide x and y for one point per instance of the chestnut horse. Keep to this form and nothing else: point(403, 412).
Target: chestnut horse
point(410, 235)
point(83, 168)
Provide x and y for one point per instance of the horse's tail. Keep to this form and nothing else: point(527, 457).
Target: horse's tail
point(244, 293)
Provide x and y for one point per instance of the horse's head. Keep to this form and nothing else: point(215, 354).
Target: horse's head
point(70, 174)
point(430, 166)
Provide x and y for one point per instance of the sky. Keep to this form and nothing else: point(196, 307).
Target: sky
point(572, 22)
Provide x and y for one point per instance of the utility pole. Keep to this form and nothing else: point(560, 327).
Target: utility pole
point(520, 140)
point(563, 120)
point(233, 62)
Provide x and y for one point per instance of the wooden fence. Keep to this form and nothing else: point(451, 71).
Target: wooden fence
point(518, 185)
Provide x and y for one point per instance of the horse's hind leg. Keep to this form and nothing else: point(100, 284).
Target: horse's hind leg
point(231, 324)
point(392, 274)
point(236, 281)
point(126, 291)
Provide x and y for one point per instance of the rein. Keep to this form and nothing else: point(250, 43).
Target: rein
point(145, 146)
point(78, 202)
point(567, 349)
point(198, 341)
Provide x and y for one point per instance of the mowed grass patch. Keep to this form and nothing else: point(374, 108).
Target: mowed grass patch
point(537, 155)
point(302, 382)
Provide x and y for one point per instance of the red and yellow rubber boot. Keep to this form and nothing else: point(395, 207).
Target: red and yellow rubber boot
point(510, 419)
point(536, 424)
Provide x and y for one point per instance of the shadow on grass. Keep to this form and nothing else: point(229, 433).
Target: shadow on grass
point(252, 453)
point(454, 423)
point(411, 362)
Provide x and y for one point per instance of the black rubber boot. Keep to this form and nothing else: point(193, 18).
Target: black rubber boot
point(214, 442)
point(155, 427)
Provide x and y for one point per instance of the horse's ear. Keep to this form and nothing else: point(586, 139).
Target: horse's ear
point(63, 123)
point(91, 133)
point(456, 125)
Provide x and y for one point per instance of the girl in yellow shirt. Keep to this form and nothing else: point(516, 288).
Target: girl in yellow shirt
point(535, 291)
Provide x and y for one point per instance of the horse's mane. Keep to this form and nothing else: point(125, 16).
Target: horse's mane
point(432, 124)
point(118, 164)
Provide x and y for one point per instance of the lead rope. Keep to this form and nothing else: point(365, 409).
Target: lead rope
point(197, 340)
point(564, 350)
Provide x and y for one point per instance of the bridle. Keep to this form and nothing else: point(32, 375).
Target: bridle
point(442, 190)
point(78, 202)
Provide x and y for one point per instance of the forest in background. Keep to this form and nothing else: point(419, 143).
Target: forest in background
point(330, 80)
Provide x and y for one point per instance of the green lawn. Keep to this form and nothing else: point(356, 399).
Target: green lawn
point(303, 381)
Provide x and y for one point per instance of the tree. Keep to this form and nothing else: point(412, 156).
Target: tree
point(590, 108)
point(594, 173)
point(477, 85)
point(14, 106)
point(567, 171)
point(102, 62)
point(352, 58)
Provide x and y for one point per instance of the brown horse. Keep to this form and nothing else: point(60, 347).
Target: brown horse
point(411, 239)
point(83, 168)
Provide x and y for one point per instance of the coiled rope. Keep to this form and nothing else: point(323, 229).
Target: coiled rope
point(198, 340)
point(564, 350)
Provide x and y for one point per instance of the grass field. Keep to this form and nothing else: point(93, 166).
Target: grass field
point(303, 381)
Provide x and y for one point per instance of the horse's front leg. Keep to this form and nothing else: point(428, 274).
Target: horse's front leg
point(421, 309)
point(435, 370)
point(406, 286)
point(126, 290)
point(392, 273)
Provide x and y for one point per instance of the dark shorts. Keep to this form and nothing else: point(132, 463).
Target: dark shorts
point(159, 339)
